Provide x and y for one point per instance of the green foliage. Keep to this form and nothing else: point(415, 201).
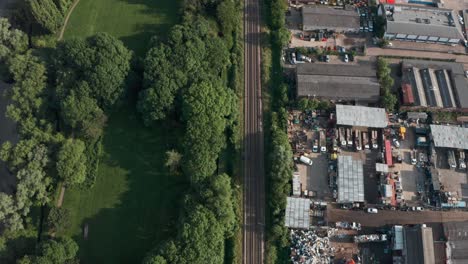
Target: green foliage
point(205, 108)
point(188, 70)
point(190, 55)
point(71, 162)
point(389, 100)
point(173, 160)
point(12, 42)
point(101, 61)
point(53, 251)
point(379, 26)
point(59, 219)
point(45, 13)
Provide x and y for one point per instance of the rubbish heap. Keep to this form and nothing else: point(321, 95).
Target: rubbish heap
point(311, 247)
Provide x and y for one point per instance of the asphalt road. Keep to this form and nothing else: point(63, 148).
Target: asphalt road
point(389, 217)
point(254, 187)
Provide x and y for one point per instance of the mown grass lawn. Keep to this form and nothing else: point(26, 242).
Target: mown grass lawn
point(134, 203)
point(132, 21)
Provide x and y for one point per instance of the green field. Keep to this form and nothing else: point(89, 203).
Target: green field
point(132, 21)
point(134, 201)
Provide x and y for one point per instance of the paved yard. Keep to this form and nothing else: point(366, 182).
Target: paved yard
point(315, 177)
point(389, 217)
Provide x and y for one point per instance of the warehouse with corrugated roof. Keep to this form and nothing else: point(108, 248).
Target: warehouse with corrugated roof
point(338, 82)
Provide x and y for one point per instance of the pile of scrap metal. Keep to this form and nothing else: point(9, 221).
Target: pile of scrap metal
point(311, 247)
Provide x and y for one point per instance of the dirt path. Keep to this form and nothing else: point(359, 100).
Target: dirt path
point(60, 199)
point(65, 23)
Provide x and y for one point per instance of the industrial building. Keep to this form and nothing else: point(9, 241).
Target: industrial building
point(338, 83)
point(434, 84)
point(452, 137)
point(361, 116)
point(421, 24)
point(456, 234)
point(350, 180)
point(338, 20)
point(297, 213)
point(413, 244)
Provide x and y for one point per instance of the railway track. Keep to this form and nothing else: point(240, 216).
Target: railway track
point(254, 197)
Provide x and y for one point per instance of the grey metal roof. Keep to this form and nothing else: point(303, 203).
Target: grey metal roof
point(297, 213)
point(419, 245)
point(450, 136)
point(329, 18)
point(457, 241)
point(338, 82)
point(350, 180)
point(456, 74)
point(359, 70)
point(422, 21)
point(417, 115)
point(361, 116)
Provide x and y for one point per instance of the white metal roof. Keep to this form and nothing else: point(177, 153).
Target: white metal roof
point(381, 167)
point(350, 180)
point(450, 136)
point(398, 238)
point(361, 116)
point(296, 184)
point(297, 213)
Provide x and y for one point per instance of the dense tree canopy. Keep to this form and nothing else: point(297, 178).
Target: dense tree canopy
point(101, 61)
point(71, 162)
point(12, 41)
point(53, 251)
point(45, 13)
point(191, 54)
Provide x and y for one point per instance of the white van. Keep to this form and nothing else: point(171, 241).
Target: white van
point(306, 160)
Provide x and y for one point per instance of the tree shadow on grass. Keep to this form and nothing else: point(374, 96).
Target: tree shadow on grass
point(146, 198)
point(169, 13)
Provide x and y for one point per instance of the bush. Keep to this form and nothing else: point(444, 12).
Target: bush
point(59, 219)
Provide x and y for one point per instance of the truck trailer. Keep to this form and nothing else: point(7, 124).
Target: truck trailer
point(349, 137)
point(374, 139)
point(357, 140)
point(365, 139)
point(341, 133)
point(323, 142)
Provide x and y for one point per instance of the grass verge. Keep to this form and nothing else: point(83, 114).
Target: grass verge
point(132, 21)
point(134, 200)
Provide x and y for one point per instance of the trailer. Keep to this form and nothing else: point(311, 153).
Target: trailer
point(365, 139)
point(349, 137)
point(461, 159)
point(370, 238)
point(357, 140)
point(374, 139)
point(413, 157)
point(323, 142)
point(451, 159)
point(341, 134)
point(348, 225)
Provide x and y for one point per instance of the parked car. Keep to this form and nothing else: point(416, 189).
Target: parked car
point(351, 57)
point(372, 210)
point(346, 58)
point(306, 160)
point(327, 58)
point(396, 143)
